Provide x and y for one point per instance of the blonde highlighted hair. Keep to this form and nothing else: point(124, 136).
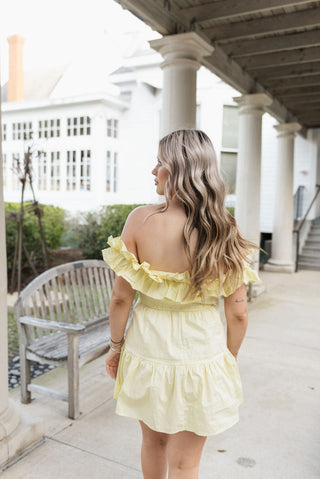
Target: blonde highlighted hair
point(195, 180)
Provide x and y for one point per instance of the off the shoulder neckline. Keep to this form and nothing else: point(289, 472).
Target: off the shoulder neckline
point(145, 265)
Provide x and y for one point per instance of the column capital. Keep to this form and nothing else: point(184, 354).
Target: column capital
point(190, 47)
point(253, 102)
point(287, 130)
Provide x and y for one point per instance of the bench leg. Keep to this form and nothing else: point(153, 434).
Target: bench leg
point(73, 375)
point(25, 376)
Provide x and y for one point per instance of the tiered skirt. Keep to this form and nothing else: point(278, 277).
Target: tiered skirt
point(176, 372)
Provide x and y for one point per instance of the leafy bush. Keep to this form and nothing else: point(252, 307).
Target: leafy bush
point(231, 209)
point(53, 220)
point(91, 233)
point(93, 228)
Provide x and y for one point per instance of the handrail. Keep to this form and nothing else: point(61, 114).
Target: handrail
point(297, 231)
point(298, 202)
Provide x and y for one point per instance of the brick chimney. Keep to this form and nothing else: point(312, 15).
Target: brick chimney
point(16, 78)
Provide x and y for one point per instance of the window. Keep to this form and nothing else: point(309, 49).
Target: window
point(230, 124)
point(16, 131)
point(49, 128)
point(14, 177)
point(198, 117)
point(42, 171)
point(115, 172)
point(4, 170)
point(55, 169)
point(85, 160)
point(79, 126)
point(108, 172)
point(229, 151)
point(78, 170)
point(71, 170)
point(22, 131)
point(112, 128)
point(228, 168)
point(4, 132)
point(112, 172)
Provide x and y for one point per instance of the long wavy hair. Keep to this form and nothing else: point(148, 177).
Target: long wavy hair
point(195, 180)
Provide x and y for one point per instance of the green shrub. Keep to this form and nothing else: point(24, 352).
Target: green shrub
point(230, 209)
point(91, 233)
point(53, 220)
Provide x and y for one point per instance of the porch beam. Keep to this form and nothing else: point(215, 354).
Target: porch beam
point(298, 91)
point(291, 57)
point(275, 84)
point(305, 69)
point(263, 26)
point(231, 8)
point(272, 44)
point(152, 13)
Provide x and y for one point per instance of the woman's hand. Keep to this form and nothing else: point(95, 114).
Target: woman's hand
point(112, 363)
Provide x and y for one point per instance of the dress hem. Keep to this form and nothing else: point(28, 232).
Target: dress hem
point(175, 431)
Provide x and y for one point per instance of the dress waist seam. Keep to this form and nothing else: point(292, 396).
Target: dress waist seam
point(175, 362)
point(172, 307)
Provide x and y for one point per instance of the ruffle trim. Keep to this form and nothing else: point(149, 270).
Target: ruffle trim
point(163, 284)
point(182, 395)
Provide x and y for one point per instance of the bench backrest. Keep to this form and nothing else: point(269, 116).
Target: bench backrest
point(77, 292)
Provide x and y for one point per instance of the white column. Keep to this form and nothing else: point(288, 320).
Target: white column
point(281, 258)
point(248, 181)
point(16, 433)
point(182, 55)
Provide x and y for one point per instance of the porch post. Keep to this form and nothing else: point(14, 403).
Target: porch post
point(17, 433)
point(248, 180)
point(281, 257)
point(182, 55)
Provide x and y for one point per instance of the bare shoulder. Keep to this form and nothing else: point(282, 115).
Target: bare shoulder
point(139, 214)
point(135, 221)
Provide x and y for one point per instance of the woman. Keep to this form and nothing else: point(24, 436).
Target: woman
point(174, 371)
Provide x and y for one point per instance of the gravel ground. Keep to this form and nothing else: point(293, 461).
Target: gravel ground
point(14, 371)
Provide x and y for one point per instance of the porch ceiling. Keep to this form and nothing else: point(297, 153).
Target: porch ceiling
point(261, 46)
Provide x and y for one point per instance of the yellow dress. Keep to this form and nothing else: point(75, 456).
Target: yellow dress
point(175, 371)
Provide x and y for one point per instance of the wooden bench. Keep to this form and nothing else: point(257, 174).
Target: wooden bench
point(63, 319)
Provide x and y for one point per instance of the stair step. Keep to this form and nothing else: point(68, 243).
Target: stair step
point(314, 234)
point(309, 258)
point(311, 249)
point(309, 266)
point(312, 242)
point(310, 254)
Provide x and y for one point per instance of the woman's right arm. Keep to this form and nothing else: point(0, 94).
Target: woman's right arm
point(236, 312)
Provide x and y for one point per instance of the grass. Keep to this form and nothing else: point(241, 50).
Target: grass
point(13, 341)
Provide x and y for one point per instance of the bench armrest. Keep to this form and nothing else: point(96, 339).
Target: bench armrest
point(48, 324)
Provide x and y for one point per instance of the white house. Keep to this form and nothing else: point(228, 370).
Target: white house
point(99, 141)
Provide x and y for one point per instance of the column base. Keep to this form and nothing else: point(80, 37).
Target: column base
point(278, 266)
point(27, 432)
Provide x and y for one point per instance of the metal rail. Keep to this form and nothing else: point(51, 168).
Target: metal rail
point(297, 231)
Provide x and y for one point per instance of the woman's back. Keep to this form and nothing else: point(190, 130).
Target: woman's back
point(159, 238)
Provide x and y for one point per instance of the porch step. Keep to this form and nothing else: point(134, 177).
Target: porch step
point(312, 242)
point(314, 235)
point(309, 258)
point(309, 266)
point(311, 249)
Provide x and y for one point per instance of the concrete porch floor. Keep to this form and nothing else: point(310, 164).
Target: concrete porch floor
point(278, 436)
